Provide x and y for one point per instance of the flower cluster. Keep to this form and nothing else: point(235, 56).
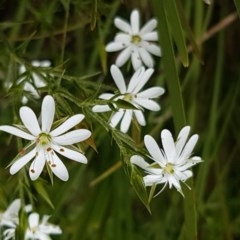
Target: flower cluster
point(36, 229)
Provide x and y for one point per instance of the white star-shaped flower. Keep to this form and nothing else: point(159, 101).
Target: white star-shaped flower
point(133, 95)
point(135, 43)
point(9, 219)
point(40, 229)
point(45, 143)
point(172, 163)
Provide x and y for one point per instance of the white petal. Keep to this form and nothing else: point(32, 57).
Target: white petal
point(29, 120)
point(33, 220)
point(123, 57)
point(173, 181)
point(101, 108)
point(72, 137)
point(144, 79)
point(139, 161)
point(168, 145)
point(146, 57)
point(68, 124)
point(149, 180)
point(37, 165)
point(13, 208)
point(106, 96)
point(114, 46)
point(59, 168)
point(22, 161)
point(122, 25)
point(182, 138)
point(189, 146)
point(118, 78)
point(126, 121)
point(154, 150)
point(147, 103)
point(152, 92)
point(135, 21)
point(116, 117)
point(71, 154)
point(152, 48)
point(17, 132)
point(135, 58)
point(151, 36)
point(47, 113)
point(123, 38)
point(140, 117)
point(135, 79)
point(149, 26)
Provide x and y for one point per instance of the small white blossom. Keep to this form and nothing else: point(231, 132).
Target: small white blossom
point(135, 43)
point(40, 230)
point(133, 95)
point(172, 163)
point(37, 80)
point(45, 143)
point(9, 219)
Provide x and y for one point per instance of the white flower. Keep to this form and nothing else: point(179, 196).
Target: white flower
point(37, 80)
point(135, 43)
point(172, 163)
point(133, 95)
point(46, 142)
point(9, 219)
point(40, 230)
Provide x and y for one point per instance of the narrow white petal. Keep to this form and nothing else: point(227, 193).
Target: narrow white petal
point(149, 180)
point(149, 26)
point(68, 124)
point(150, 36)
point(13, 209)
point(152, 48)
point(22, 161)
point(101, 108)
point(135, 21)
point(29, 120)
point(123, 57)
point(122, 25)
point(140, 117)
point(189, 146)
point(135, 58)
point(168, 145)
point(47, 113)
point(152, 92)
point(147, 103)
point(17, 132)
point(116, 117)
point(182, 138)
point(144, 79)
point(106, 96)
point(135, 79)
point(33, 220)
point(146, 57)
point(71, 154)
point(37, 165)
point(173, 181)
point(118, 78)
point(123, 38)
point(72, 137)
point(114, 46)
point(139, 161)
point(59, 169)
point(126, 121)
point(154, 150)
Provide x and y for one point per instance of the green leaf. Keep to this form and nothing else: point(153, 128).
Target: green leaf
point(237, 5)
point(42, 192)
point(176, 29)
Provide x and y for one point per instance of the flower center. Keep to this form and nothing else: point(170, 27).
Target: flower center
point(169, 168)
point(128, 97)
point(136, 39)
point(44, 139)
